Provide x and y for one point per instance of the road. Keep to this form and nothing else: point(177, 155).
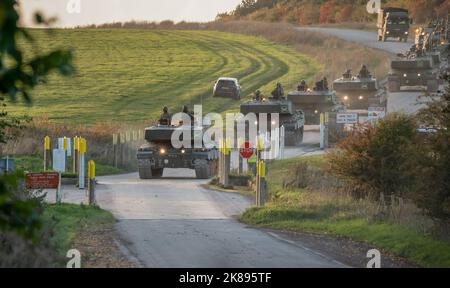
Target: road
point(175, 222)
point(368, 38)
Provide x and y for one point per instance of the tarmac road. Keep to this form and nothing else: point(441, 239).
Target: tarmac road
point(175, 222)
point(368, 38)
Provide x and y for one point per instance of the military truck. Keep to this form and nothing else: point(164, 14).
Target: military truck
point(316, 101)
point(292, 120)
point(158, 153)
point(357, 92)
point(393, 23)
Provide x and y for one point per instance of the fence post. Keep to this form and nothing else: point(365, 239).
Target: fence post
point(91, 183)
point(81, 178)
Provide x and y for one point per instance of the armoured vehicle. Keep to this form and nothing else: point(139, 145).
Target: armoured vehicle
point(293, 121)
point(158, 153)
point(393, 23)
point(316, 101)
point(420, 66)
point(357, 92)
point(227, 88)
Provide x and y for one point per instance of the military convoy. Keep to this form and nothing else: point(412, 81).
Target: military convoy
point(393, 23)
point(420, 66)
point(357, 92)
point(316, 101)
point(158, 153)
point(292, 120)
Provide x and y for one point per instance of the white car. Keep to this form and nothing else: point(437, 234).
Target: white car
point(227, 88)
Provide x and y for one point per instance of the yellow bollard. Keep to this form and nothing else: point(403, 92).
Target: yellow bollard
point(91, 188)
point(47, 153)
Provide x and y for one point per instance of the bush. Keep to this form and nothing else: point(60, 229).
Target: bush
point(377, 160)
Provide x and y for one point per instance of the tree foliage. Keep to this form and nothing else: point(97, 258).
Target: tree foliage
point(18, 76)
point(331, 11)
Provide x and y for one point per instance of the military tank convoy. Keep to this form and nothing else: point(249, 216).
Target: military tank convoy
point(420, 66)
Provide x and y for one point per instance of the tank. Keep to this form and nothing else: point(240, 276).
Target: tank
point(415, 70)
point(315, 101)
point(292, 120)
point(357, 92)
point(158, 153)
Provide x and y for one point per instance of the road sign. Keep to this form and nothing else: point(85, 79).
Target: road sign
point(246, 151)
point(46, 180)
point(377, 113)
point(347, 118)
point(59, 160)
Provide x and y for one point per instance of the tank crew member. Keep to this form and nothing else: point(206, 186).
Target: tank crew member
point(348, 74)
point(185, 110)
point(322, 85)
point(165, 117)
point(303, 87)
point(258, 95)
point(364, 73)
point(278, 93)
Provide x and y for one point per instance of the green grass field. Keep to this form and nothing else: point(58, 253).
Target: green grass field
point(128, 75)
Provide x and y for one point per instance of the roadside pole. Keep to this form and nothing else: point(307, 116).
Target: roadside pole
point(224, 164)
point(91, 184)
point(81, 178)
point(47, 153)
point(65, 145)
point(58, 190)
point(76, 148)
point(260, 175)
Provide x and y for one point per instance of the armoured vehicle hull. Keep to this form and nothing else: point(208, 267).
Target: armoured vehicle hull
point(293, 121)
point(158, 154)
point(356, 93)
point(422, 71)
point(313, 103)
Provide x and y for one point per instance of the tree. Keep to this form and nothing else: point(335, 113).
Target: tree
point(433, 178)
point(18, 77)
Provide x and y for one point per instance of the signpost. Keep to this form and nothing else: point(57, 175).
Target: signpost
point(45, 180)
point(347, 118)
point(376, 113)
point(246, 151)
point(47, 153)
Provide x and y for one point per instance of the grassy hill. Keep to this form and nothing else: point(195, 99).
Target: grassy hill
point(128, 75)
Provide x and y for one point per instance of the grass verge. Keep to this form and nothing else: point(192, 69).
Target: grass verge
point(303, 210)
point(67, 220)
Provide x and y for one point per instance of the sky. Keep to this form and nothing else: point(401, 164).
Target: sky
point(82, 12)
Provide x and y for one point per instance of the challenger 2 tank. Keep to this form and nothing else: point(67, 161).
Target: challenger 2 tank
point(292, 120)
point(158, 153)
point(420, 66)
point(357, 92)
point(413, 70)
point(316, 101)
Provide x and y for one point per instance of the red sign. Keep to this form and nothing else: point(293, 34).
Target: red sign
point(246, 151)
point(46, 180)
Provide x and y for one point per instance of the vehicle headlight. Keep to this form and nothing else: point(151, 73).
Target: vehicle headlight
point(162, 151)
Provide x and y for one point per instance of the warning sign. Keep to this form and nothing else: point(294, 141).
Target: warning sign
point(46, 180)
point(347, 118)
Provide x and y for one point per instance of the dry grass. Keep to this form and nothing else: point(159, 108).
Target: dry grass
point(334, 54)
